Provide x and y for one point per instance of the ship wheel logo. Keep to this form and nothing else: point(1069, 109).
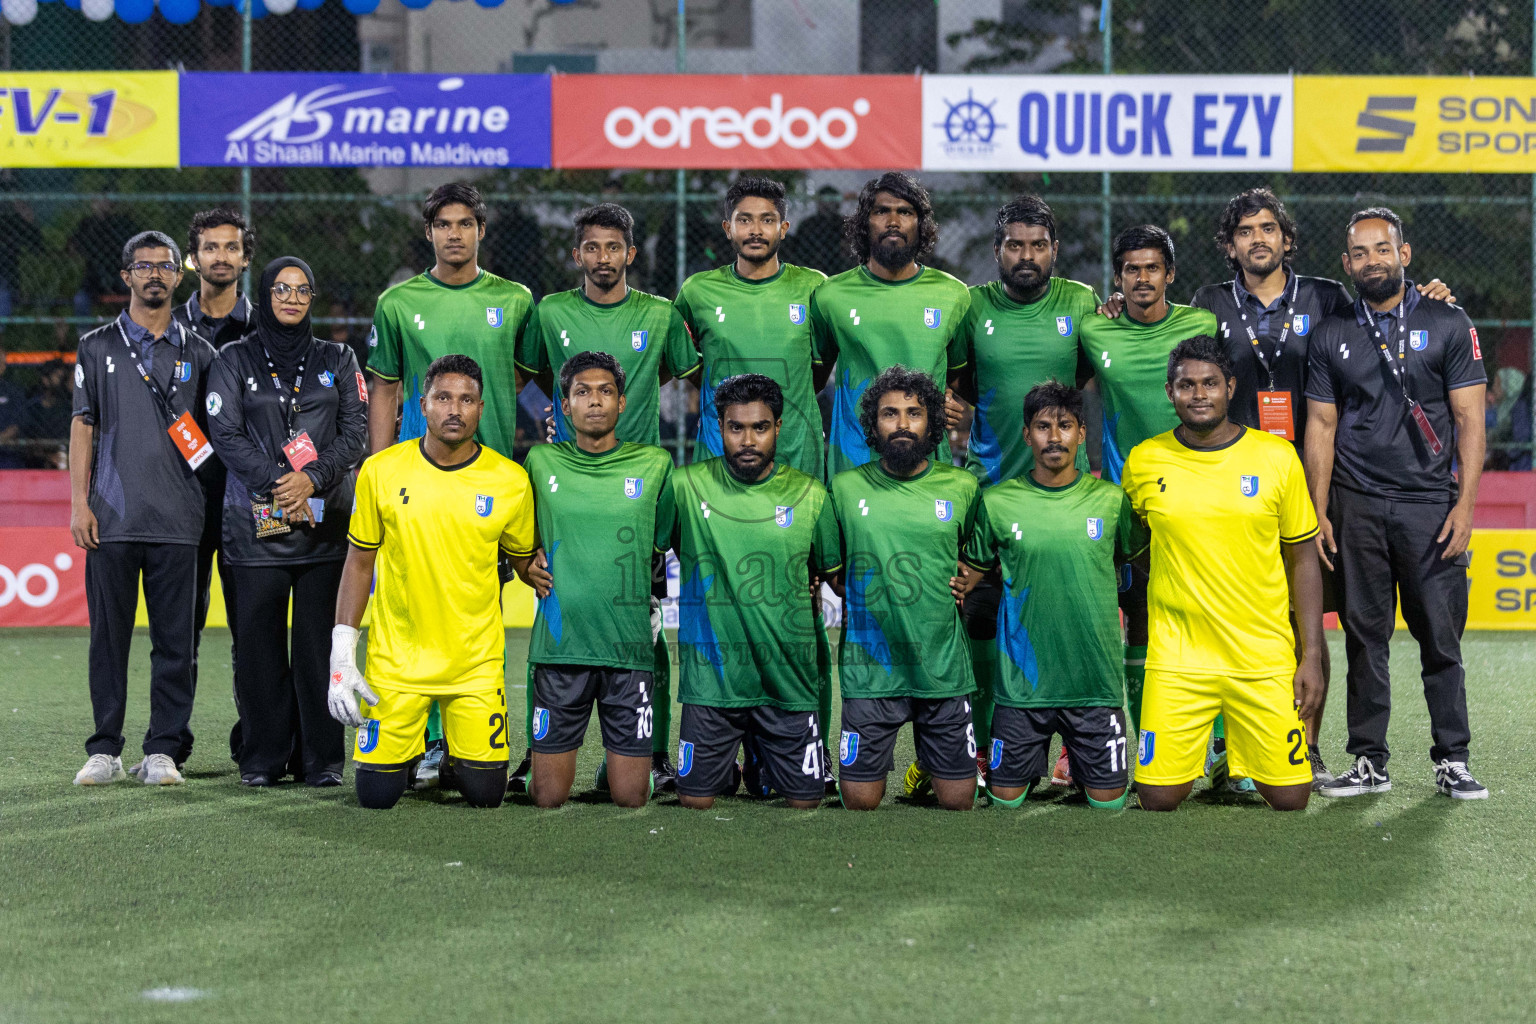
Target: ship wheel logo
point(970, 120)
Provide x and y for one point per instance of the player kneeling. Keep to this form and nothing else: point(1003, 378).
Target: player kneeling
point(749, 530)
point(431, 516)
point(1060, 535)
point(1232, 526)
point(603, 509)
point(904, 519)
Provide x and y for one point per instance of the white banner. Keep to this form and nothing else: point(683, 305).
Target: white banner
point(1106, 122)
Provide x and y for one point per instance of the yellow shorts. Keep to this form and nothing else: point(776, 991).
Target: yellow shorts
point(1266, 741)
point(474, 724)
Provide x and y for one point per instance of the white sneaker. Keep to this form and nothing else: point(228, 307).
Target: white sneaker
point(160, 770)
point(101, 770)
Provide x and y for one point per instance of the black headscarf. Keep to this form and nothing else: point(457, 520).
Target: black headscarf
point(286, 344)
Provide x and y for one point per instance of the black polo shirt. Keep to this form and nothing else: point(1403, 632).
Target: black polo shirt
point(1379, 450)
point(216, 331)
point(141, 488)
point(1314, 300)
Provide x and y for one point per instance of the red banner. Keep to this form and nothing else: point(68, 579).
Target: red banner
point(42, 577)
point(738, 121)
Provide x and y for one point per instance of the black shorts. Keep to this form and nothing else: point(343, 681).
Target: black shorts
point(979, 610)
point(1095, 739)
point(562, 706)
point(789, 743)
point(941, 730)
point(1133, 599)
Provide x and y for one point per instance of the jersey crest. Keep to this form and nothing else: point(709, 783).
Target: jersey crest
point(1064, 326)
point(1302, 324)
point(637, 340)
point(1418, 340)
point(540, 723)
point(684, 757)
point(931, 317)
point(493, 315)
point(784, 514)
point(1250, 486)
point(632, 486)
point(848, 748)
point(368, 736)
point(796, 313)
point(945, 510)
point(326, 378)
point(483, 503)
point(1095, 528)
point(183, 371)
point(996, 760)
point(1147, 748)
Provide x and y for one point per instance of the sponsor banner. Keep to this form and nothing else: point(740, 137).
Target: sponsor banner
point(42, 577)
point(1415, 124)
point(1503, 574)
point(1106, 122)
point(88, 119)
point(353, 120)
point(731, 121)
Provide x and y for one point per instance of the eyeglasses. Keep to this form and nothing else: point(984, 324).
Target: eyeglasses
point(284, 290)
point(146, 269)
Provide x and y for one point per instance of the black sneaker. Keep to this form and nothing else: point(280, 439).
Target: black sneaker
point(828, 776)
point(663, 775)
point(517, 782)
point(1321, 776)
point(1360, 780)
point(1453, 779)
point(752, 771)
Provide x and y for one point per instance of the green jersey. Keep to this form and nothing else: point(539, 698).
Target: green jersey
point(1130, 361)
point(642, 331)
point(866, 326)
point(762, 327)
point(1010, 347)
point(600, 517)
point(1058, 624)
point(902, 538)
point(419, 320)
point(747, 623)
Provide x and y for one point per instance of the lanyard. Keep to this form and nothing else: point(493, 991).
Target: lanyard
point(291, 408)
point(1285, 332)
point(162, 399)
point(1381, 344)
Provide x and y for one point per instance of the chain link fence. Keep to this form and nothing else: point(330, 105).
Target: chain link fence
point(61, 230)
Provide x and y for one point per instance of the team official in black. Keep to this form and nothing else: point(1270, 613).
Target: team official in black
point(1395, 441)
point(137, 444)
point(289, 418)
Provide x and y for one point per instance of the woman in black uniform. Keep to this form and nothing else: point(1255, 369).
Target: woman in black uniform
point(288, 416)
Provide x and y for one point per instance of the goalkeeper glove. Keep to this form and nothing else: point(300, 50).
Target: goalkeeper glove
point(347, 683)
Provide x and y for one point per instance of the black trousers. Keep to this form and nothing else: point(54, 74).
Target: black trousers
point(282, 699)
point(1387, 548)
point(112, 597)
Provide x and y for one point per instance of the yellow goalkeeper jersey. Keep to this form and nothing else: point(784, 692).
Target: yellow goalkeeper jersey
point(1218, 599)
point(436, 625)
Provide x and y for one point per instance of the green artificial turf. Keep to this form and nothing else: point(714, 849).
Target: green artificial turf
point(296, 905)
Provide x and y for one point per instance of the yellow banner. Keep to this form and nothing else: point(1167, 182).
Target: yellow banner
point(1503, 576)
point(1413, 123)
point(89, 119)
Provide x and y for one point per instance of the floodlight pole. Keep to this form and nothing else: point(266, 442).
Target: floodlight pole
point(245, 171)
point(1106, 28)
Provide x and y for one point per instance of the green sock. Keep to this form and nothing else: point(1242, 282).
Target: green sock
point(528, 714)
point(1109, 805)
point(1016, 802)
point(1219, 730)
point(983, 665)
point(434, 723)
point(661, 697)
point(1135, 676)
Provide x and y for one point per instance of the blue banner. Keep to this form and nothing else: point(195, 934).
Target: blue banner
point(352, 120)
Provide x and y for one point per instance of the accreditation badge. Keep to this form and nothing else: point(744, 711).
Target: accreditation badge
point(1275, 414)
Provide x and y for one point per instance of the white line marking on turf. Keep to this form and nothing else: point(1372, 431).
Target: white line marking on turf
point(173, 995)
point(454, 864)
